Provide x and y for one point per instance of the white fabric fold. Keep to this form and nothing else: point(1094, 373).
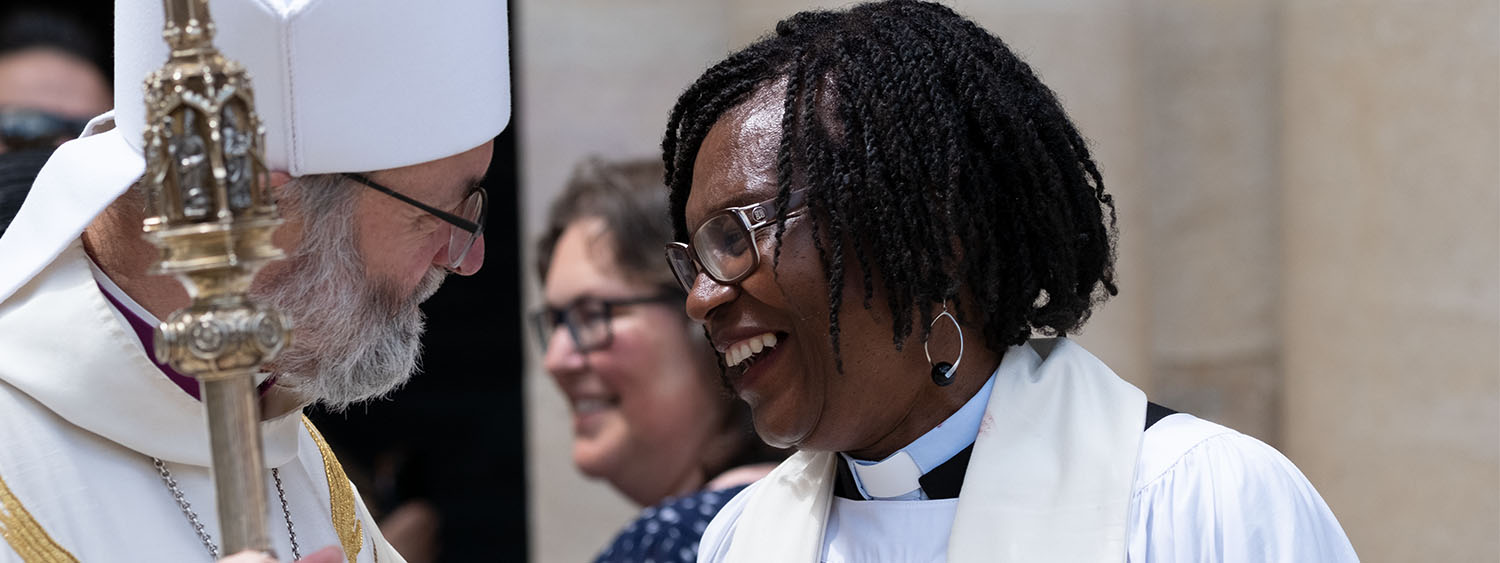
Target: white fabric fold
point(1058, 447)
point(1059, 443)
point(113, 391)
point(784, 520)
point(1246, 501)
point(82, 177)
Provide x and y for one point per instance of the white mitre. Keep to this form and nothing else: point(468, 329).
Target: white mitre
point(341, 86)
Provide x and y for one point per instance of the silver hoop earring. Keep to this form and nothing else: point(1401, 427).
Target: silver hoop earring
point(943, 372)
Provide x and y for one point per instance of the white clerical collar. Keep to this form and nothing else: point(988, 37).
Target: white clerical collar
point(895, 477)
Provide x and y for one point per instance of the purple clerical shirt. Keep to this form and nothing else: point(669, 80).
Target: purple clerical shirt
point(147, 335)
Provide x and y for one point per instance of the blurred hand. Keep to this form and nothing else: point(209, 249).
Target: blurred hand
point(328, 554)
point(412, 529)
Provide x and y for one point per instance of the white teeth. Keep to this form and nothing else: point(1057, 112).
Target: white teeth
point(589, 406)
point(744, 349)
point(768, 340)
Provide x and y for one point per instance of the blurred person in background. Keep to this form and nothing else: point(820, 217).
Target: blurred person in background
point(17, 170)
point(51, 81)
point(649, 414)
point(889, 225)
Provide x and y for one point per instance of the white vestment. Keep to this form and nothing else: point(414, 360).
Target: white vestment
point(82, 413)
point(1197, 491)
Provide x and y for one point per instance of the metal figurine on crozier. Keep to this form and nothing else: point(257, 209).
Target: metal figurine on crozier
point(212, 216)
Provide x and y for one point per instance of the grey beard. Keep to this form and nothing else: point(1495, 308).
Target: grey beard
point(354, 337)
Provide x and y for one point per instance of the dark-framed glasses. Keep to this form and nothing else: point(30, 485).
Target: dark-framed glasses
point(588, 319)
point(724, 245)
point(466, 222)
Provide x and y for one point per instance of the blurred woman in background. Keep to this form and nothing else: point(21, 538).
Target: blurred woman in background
point(649, 413)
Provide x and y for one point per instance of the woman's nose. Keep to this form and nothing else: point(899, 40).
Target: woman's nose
point(562, 356)
point(706, 295)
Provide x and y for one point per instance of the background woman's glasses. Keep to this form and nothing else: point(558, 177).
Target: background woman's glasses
point(588, 319)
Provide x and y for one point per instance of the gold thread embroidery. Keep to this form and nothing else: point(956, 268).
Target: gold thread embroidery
point(340, 498)
point(25, 535)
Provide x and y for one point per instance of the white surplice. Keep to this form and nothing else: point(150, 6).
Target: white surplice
point(1197, 492)
point(82, 413)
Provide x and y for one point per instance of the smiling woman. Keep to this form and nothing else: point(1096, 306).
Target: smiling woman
point(648, 413)
point(888, 226)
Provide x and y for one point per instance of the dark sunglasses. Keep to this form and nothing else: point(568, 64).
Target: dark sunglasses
point(24, 128)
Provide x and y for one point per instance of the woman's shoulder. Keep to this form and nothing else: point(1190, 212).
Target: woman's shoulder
point(1171, 440)
point(1202, 488)
point(669, 531)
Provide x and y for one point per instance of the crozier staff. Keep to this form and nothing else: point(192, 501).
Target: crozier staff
point(379, 118)
point(876, 210)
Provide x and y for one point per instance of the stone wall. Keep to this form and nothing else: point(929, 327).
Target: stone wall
point(1390, 204)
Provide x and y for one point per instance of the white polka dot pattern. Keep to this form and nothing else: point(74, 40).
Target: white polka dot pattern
point(668, 532)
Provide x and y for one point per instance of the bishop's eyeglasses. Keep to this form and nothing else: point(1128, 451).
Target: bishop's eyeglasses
point(724, 245)
point(588, 319)
point(466, 223)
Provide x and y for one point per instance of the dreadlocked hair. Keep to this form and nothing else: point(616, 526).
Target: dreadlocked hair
point(933, 156)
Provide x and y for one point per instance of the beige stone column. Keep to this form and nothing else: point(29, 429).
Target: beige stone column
point(1391, 201)
point(1208, 73)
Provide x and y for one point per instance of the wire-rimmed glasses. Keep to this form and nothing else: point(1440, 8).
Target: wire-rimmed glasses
point(466, 222)
point(724, 245)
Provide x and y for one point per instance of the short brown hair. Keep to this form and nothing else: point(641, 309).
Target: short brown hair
point(631, 198)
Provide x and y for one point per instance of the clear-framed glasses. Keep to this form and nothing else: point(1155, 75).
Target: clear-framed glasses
point(724, 245)
point(466, 223)
point(588, 319)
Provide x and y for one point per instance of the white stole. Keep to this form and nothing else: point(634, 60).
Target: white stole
point(1050, 478)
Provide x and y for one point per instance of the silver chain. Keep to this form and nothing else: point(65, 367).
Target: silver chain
point(287, 513)
point(187, 508)
point(208, 541)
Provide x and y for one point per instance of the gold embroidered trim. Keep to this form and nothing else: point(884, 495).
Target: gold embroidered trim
point(340, 498)
point(24, 535)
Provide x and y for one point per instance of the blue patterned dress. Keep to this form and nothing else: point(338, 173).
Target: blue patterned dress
point(668, 532)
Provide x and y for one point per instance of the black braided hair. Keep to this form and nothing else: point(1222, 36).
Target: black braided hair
point(933, 156)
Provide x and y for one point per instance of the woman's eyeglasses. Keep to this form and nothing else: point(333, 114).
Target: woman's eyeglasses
point(724, 245)
point(588, 319)
point(466, 223)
